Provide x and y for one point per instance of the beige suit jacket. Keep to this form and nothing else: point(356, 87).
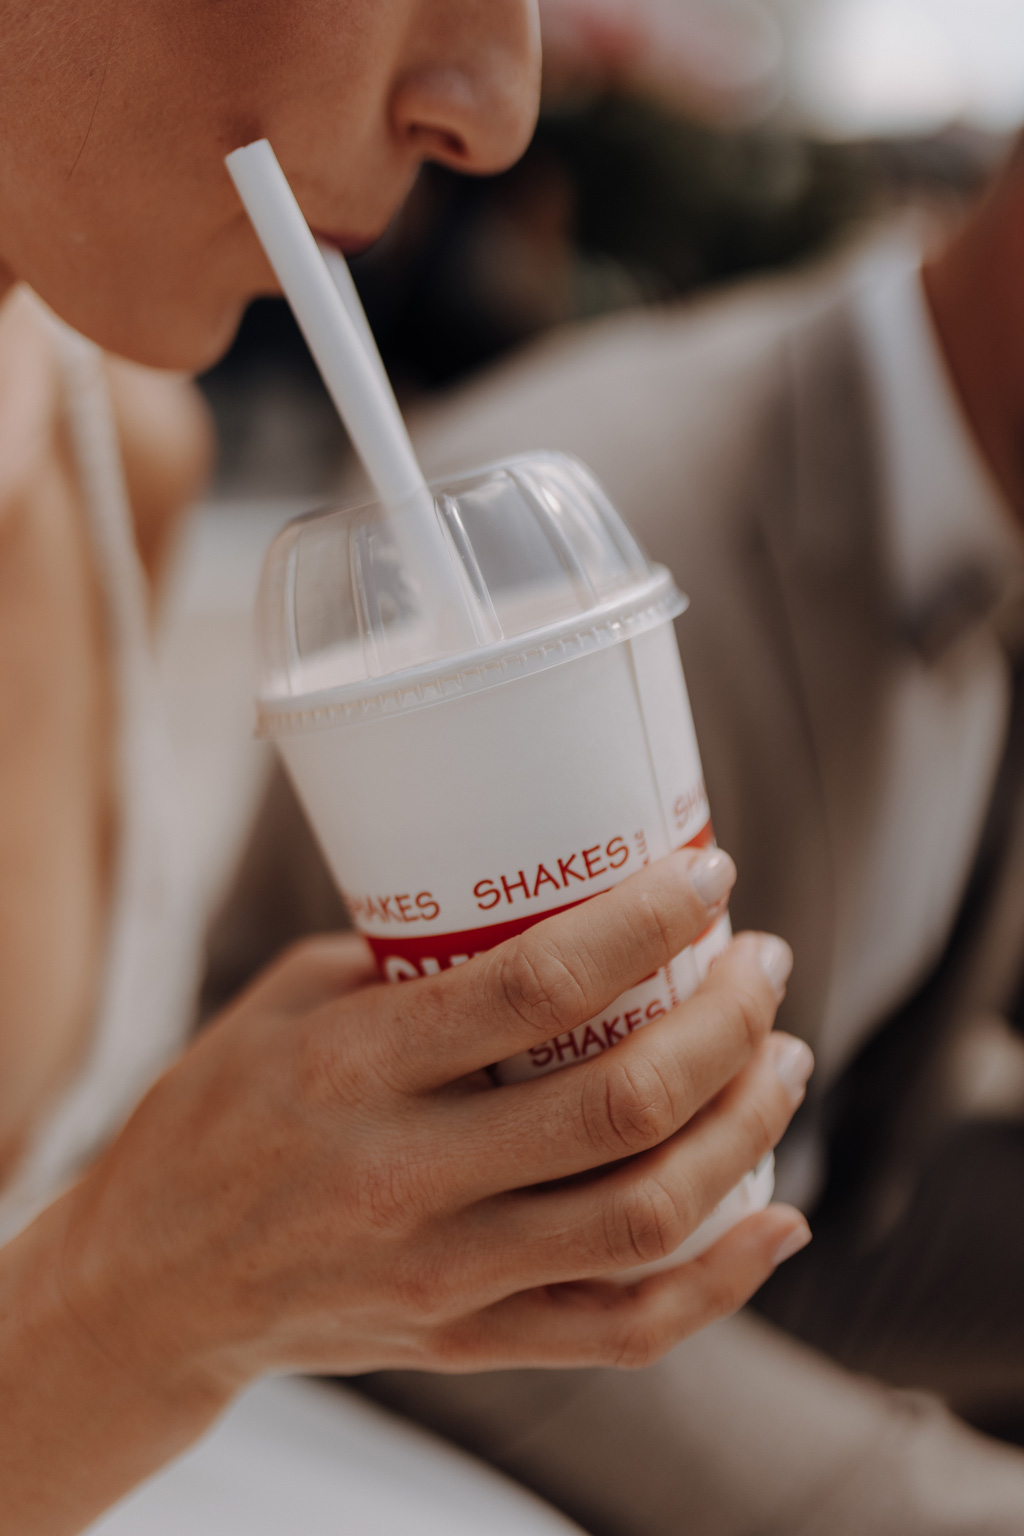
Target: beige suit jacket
point(737, 439)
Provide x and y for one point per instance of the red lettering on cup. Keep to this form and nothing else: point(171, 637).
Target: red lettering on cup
point(544, 877)
point(424, 908)
point(565, 869)
point(515, 885)
point(601, 869)
point(410, 952)
point(405, 956)
point(396, 968)
point(487, 895)
point(617, 852)
point(693, 799)
point(591, 1041)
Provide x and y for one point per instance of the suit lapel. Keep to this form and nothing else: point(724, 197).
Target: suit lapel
point(828, 550)
point(822, 531)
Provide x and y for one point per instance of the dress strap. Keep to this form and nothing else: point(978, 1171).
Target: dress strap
point(146, 1003)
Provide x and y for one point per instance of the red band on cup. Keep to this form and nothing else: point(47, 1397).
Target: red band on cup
point(409, 957)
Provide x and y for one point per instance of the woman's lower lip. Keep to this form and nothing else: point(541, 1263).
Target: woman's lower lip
point(348, 245)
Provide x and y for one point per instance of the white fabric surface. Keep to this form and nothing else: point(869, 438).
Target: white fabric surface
point(295, 1458)
point(156, 922)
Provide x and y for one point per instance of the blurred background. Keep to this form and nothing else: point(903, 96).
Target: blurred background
point(683, 144)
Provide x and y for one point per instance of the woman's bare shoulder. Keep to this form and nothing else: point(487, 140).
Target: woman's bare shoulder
point(29, 394)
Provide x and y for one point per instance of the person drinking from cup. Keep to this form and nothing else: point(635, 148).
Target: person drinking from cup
point(327, 1181)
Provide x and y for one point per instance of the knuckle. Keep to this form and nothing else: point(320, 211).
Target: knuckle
point(457, 1344)
point(280, 982)
point(330, 1071)
point(646, 1224)
point(651, 927)
point(422, 1295)
point(302, 953)
point(538, 985)
point(721, 1293)
point(412, 1030)
point(759, 1130)
point(638, 1346)
point(628, 1107)
point(386, 1198)
point(318, 959)
point(749, 1017)
point(412, 1025)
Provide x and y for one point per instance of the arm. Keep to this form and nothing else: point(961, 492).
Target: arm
point(329, 1182)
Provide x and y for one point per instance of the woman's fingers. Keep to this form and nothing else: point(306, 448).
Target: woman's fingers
point(596, 1323)
point(636, 1094)
point(558, 974)
point(312, 972)
point(642, 1211)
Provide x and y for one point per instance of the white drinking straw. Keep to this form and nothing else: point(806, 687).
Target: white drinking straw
point(342, 278)
point(354, 376)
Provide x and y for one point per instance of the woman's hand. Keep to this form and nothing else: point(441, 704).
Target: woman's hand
point(329, 1181)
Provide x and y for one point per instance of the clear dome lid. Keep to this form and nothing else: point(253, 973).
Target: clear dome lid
point(547, 568)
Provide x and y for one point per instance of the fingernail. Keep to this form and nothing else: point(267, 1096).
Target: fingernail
point(712, 875)
point(776, 959)
point(792, 1243)
point(794, 1063)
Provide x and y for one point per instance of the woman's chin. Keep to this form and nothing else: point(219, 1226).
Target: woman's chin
point(183, 341)
point(182, 338)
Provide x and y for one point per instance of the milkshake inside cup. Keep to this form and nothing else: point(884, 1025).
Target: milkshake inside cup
point(460, 795)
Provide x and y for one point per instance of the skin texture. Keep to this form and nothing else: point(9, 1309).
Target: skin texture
point(117, 209)
point(976, 297)
point(327, 1180)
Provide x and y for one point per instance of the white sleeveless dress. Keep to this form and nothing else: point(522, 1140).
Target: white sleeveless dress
point(156, 925)
point(291, 1456)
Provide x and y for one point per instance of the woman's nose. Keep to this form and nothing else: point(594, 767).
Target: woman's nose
point(471, 101)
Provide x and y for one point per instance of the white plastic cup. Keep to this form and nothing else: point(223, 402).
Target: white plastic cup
point(460, 799)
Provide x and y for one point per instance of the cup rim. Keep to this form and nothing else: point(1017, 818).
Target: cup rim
point(649, 604)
